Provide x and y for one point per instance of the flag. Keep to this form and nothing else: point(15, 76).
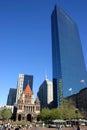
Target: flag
point(70, 89)
point(82, 81)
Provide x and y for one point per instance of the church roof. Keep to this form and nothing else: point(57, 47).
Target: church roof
point(28, 90)
point(37, 101)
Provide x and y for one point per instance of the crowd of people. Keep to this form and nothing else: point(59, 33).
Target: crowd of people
point(8, 126)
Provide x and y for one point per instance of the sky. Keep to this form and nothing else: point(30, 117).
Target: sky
point(25, 39)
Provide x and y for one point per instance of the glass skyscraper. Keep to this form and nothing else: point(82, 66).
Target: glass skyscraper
point(23, 81)
point(67, 56)
point(11, 96)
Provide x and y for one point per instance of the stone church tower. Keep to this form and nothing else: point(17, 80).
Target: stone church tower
point(27, 110)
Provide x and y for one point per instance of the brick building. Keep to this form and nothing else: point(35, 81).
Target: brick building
point(27, 109)
point(80, 100)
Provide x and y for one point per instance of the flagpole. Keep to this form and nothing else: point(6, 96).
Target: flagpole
point(70, 89)
point(83, 81)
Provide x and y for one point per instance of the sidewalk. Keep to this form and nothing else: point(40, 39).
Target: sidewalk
point(64, 128)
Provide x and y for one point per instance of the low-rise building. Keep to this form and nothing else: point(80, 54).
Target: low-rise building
point(80, 100)
point(27, 109)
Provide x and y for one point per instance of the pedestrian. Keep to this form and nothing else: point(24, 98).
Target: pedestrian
point(58, 127)
point(9, 127)
point(78, 127)
point(16, 128)
point(2, 127)
point(43, 124)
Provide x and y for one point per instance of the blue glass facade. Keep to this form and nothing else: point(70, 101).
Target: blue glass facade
point(28, 79)
point(67, 56)
point(23, 81)
point(11, 96)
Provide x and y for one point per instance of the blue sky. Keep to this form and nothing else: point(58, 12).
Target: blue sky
point(25, 39)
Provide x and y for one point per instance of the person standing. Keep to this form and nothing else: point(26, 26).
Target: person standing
point(78, 126)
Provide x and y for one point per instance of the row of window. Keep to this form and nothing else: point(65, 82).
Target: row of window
point(29, 108)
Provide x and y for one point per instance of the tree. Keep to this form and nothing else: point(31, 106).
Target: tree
point(45, 114)
point(0, 115)
point(50, 114)
point(55, 114)
point(6, 114)
point(66, 111)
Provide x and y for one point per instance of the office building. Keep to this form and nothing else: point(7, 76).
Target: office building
point(67, 56)
point(45, 94)
point(23, 80)
point(11, 96)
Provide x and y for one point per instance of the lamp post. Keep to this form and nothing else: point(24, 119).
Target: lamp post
point(70, 89)
point(76, 111)
point(83, 81)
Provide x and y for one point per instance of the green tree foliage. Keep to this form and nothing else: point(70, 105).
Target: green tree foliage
point(66, 111)
point(55, 113)
point(45, 114)
point(49, 114)
point(6, 114)
point(0, 115)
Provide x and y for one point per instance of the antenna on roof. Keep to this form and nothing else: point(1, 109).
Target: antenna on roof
point(46, 77)
point(28, 81)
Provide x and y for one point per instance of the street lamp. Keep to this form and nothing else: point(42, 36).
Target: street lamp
point(70, 89)
point(83, 81)
point(76, 111)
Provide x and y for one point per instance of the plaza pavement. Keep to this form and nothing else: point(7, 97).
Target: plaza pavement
point(64, 128)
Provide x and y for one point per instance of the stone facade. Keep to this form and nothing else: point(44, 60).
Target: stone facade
point(80, 100)
point(27, 109)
